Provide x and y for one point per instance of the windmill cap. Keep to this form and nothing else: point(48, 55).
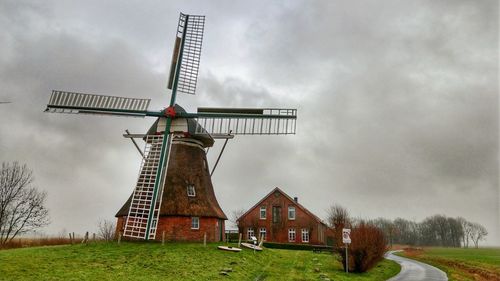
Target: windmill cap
point(192, 124)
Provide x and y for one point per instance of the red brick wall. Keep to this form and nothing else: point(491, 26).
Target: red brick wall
point(179, 229)
point(278, 232)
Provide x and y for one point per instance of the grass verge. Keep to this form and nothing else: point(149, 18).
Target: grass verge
point(174, 261)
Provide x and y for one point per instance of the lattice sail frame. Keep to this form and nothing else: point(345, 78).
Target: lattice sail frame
point(147, 196)
point(189, 59)
point(71, 102)
point(274, 121)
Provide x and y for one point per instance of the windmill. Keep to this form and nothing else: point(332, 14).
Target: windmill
point(172, 143)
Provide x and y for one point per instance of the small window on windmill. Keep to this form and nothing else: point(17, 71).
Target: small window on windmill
point(191, 191)
point(195, 223)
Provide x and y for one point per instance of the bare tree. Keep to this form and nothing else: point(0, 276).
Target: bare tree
point(235, 215)
point(388, 228)
point(21, 205)
point(478, 233)
point(106, 230)
point(338, 218)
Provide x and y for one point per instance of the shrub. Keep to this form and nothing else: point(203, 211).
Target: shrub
point(35, 242)
point(367, 248)
point(288, 246)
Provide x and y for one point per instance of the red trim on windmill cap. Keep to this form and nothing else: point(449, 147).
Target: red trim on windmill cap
point(170, 112)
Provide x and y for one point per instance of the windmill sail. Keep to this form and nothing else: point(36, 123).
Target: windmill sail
point(252, 121)
point(69, 102)
point(187, 53)
point(146, 199)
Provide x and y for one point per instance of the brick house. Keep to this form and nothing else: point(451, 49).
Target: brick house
point(280, 218)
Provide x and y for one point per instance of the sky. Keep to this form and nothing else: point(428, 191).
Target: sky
point(397, 102)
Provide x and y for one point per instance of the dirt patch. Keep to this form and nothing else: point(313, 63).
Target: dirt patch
point(413, 252)
point(478, 273)
point(397, 247)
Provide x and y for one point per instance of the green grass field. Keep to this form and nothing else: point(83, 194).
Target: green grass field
point(177, 261)
point(462, 264)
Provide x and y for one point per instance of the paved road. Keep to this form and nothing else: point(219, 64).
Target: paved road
point(412, 270)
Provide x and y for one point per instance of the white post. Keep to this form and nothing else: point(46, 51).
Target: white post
point(205, 239)
point(346, 259)
point(239, 240)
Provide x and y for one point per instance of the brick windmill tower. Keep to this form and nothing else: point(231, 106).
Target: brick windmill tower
point(189, 208)
point(174, 192)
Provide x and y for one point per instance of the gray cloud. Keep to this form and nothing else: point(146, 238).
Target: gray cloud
point(398, 101)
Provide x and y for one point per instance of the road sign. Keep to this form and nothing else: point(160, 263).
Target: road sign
point(346, 239)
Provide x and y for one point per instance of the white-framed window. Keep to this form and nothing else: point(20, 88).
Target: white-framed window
point(291, 212)
point(191, 191)
point(195, 223)
point(305, 235)
point(250, 233)
point(291, 235)
point(263, 212)
point(262, 233)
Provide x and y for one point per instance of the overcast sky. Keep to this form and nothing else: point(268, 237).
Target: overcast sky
point(397, 101)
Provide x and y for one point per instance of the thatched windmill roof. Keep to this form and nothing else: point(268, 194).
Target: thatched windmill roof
point(188, 166)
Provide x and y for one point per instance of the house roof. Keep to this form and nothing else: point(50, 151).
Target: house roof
point(277, 189)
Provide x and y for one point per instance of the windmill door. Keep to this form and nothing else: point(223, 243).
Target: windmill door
point(221, 230)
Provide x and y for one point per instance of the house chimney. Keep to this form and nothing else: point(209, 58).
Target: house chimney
point(296, 199)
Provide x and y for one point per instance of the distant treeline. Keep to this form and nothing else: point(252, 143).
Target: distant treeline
point(437, 230)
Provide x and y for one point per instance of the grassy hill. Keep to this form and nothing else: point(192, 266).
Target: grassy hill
point(461, 264)
point(174, 261)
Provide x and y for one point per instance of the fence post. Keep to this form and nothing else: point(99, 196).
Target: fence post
point(93, 237)
point(205, 239)
point(119, 237)
point(239, 240)
point(163, 237)
point(85, 238)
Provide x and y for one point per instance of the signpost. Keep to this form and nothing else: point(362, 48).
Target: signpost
point(346, 239)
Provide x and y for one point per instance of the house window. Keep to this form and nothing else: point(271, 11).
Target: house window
point(250, 233)
point(262, 233)
point(291, 212)
point(291, 235)
point(262, 212)
point(305, 235)
point(276, 214)
point(191, 191)
point(195, 223)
